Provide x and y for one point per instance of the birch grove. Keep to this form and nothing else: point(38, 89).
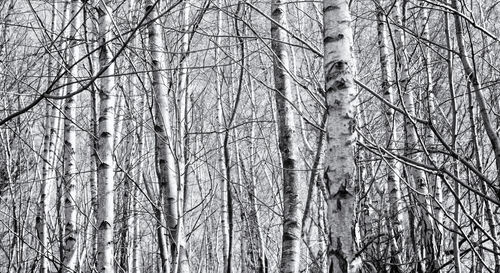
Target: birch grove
point(249, 136)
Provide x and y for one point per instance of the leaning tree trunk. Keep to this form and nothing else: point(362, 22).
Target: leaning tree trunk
point(105, 164)
point(288, 140)
point(340, 169)
point(70, 209)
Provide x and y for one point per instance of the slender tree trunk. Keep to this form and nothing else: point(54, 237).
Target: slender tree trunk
point(105, 169)
point(137, 173)
point(93, 145)
point(391, 135)
point(47, 183)
point(451, 87)
point(413, 141)
point(135, 244)
point(70, 210)
point(340, 169)
point(288, 142)
point(165, 157)
point(431, 142)
point(221, 162)
point(182, 139)
point(473, 80)
point(255, 228)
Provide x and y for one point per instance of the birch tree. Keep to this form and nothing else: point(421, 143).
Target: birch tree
point(70, 170)
point(391, 135)
point(48, 182)
point(340, 170)
point(105, 161)
point(288, 142)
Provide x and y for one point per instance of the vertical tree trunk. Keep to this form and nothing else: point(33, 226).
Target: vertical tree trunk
point(47, 183)
point(94, 64)
point(137, 173)
point(105, 169)
point(490, 130)
point(451, 87)
point(165, 157)
point(255, 228)
point(391, 135)
point(419, 179)
point(288, 142)
point(70, 210)
point(340, 170)
point(431, 142)
point(182, 127)
point(220, 157)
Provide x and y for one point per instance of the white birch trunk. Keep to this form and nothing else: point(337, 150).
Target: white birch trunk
point(183, 262)
point(436, 182)
point(418, 175)
point(220, 156)
point(70, 210)
point(391, 135)
point(288, 142)
point(165, 157)
point(340, 169)
point(491, 132)
point(105, 164)
point(47, 183)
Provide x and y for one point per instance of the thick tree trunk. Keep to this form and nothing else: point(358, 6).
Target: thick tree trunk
point(105, 169)
point(288, 142)
point(340, 169)
point(70, 209)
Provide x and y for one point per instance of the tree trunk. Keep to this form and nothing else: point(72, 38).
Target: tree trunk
point(70, 209)
point(165, 157)
point(340, 169)
point(429, 257)
point(182, 139)
point(473, 80)
point(288, 142)
point(220, 157)
point(105, 164)
point(391, 135)
point(47, 184)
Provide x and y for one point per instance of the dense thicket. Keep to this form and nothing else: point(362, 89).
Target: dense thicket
point(249, 136)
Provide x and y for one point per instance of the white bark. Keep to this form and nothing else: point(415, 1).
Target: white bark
point(340, 170)
point(183, 107)
point(288, 142)
point(413, 141)
point(220, 156)
point(47, 184)
point(491, 132)
point(105, 169)
point(391, 135)
point(165, 158)
point(70, 210)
